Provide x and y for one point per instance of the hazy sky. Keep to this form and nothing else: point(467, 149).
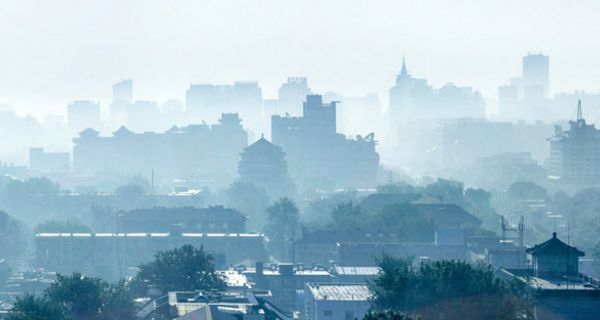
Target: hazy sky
point(55, 51)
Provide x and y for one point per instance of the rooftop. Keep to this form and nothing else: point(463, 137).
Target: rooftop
point(358, 271)
point(339, 291)
point(554, 246)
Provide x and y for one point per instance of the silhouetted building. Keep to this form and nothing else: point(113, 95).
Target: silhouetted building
point(215, 219)
point(284, 280)
point(575, 153)
point(536, 75)
point(413, 98)
point(208, 154)
point(112, 256)
point(263, 164)
point(122, 93)
point(82, 114)
point(143, 115)
point(291, 95)
point(320, 157)
point(42, 161)
point(561, 292)
point(208, 101)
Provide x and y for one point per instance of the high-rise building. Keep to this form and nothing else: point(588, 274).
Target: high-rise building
point(536, 75)
point(82, 114)
point(122, 93)
point(575, 153)
point(412, 98)
point(317, 155)
point(291, 95)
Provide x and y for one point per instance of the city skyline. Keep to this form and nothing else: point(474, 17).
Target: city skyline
point(83, 50)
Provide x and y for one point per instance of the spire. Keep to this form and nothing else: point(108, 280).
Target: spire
point(579, 112)
point(403, 72)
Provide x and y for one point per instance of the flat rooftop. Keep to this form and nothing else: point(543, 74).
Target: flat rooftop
point(339, 291)
point(138, 234)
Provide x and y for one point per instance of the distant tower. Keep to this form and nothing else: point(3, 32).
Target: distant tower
point(122, 93)
point(536, 75)
point(263, 164)
point(291, 95)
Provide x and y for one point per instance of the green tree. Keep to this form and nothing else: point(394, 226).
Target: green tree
point(249, 199)
point(388, 315)
point(284, 225)
point(448, 290)
point(30, 307)
point(182, 269)
point(448, 191)
point(525, 190)
point(348, 216)
point(79, 296)
point(117, 302)
point(405, 220)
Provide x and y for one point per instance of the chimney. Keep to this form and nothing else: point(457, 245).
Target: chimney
point(554, 235)
point(259, 266)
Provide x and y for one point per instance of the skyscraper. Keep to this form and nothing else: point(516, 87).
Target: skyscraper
point(536, 75)
point(122, 97)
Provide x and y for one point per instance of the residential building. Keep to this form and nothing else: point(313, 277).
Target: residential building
point(43, 161)
point(291, 94)
point(83, 114)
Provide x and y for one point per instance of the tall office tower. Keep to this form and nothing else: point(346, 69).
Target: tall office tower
point(536, 75)
point(122, 97)
point(82, 114)
point(291, 95)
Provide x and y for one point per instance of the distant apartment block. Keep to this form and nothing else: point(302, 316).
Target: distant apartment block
point(43, 161)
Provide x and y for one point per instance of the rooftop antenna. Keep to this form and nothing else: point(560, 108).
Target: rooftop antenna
point(579, 112)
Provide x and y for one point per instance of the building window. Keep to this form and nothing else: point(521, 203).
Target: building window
point(349, 315)
point(327, 313)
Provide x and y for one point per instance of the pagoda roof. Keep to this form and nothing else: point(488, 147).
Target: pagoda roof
point(89, 132)
point(263, 145)
point(122, 131)
point(555, 247)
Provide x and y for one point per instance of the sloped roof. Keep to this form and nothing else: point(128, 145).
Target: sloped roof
point(263, 145)
point(89, 132)
point(340, 291)
point(122, 131)
point(374, 202)
point(555, 247)
point(441, 213)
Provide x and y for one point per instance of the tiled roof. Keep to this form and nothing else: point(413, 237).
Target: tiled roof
point(555, 247)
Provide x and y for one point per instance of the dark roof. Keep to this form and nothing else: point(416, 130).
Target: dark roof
point(446, 213)
point(442, 214)
point(376, 201)
point(263, 145)
point(555, 247)
point(181, 213)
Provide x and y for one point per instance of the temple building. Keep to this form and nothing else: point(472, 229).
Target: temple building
point(561, 291)
point(319, 156)
point(575, 154)
point(263, 164)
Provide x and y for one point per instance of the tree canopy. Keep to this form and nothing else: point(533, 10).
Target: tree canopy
point(77, 297)
point(183, 269)
point(448, 289)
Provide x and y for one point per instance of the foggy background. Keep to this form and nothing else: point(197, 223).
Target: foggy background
point(52, 52)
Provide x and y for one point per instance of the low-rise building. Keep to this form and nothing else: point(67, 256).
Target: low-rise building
point(284, 281)
point(336, 301)
point(561, 292)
